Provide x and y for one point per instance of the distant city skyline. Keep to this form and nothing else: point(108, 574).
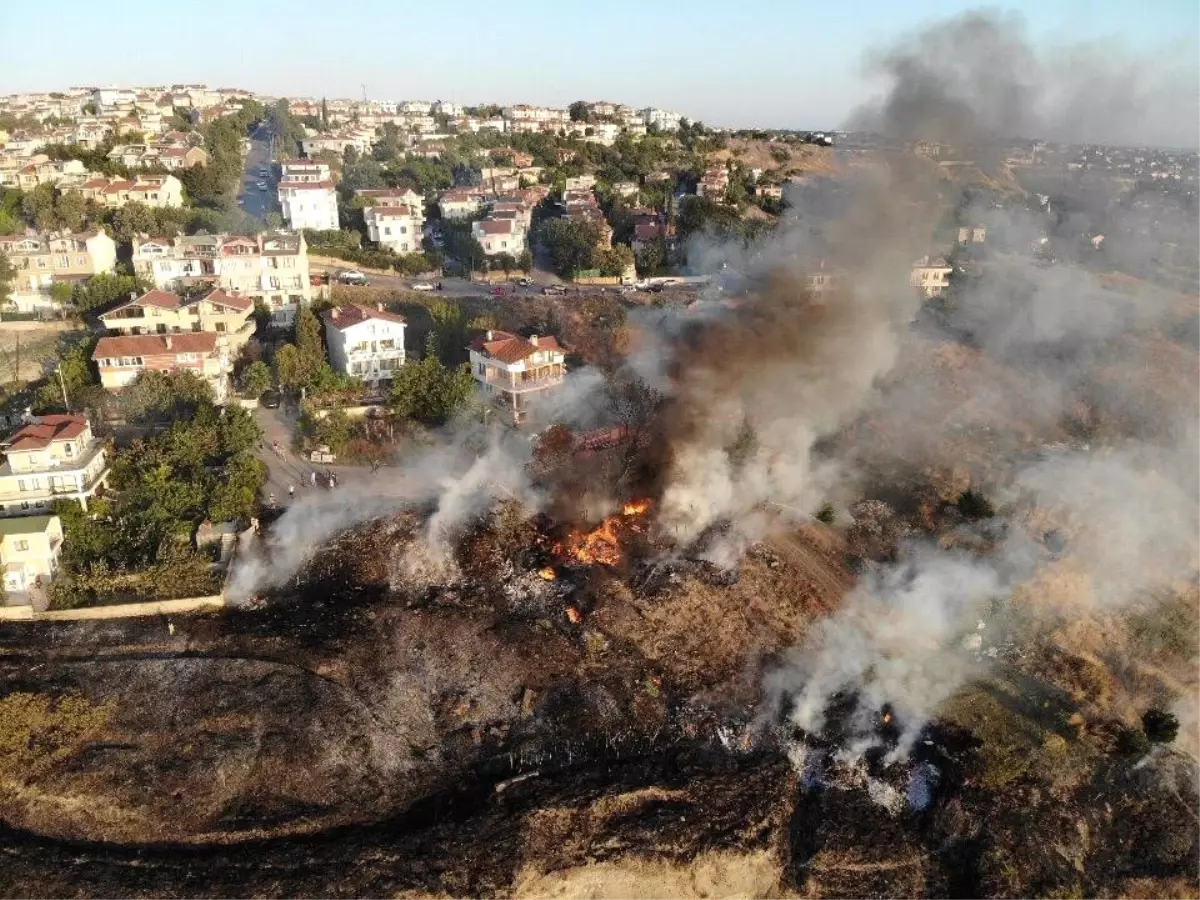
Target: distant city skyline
point(761, 64)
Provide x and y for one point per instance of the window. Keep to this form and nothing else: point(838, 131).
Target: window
point(220, 328)
point(81, 260)
point(187, 357)
point(41, 263)
point(21, 545)
point(387, 230)
point(403, 229)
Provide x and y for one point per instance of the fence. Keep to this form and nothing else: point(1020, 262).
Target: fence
point(115, 611)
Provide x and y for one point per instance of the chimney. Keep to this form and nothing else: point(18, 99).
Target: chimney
point(167, 340)
point(533, 339)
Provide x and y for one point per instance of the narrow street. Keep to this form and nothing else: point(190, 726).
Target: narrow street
point(254, 201)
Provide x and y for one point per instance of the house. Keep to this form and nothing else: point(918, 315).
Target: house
point(51, 458)
point(498, 236)
point(159, 191)
point(395, 228)
point(650, 228)
point(229, 316)
point(460, 203)
point(580, 183)
point(122, 359)
point(304, 171)
point(365, 342)
point(29, 550)
point(309, 204)
point(661, 119)
point(976, 234)
point(392, 197)
point(514, 372)
point(769, 191)
point(624, 189)
point(173, 158)
point(713, 183)
point(49, 172)
point(42, 259)
point(931, 275)
point(270, 266)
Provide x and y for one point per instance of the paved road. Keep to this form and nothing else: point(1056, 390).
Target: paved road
point(287, 469)
point(252, 200)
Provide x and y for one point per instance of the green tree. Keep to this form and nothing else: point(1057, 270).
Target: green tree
point(652, 260)
point(309, 345)
point(333, 430)
point(429, 392)
point(165, 396)
point(572, 244)
point(37, 208)
point(104, 289)
point(235, 493)
point(61, 292)
point(131, 220)
point(614, 261)
point(525, 261)
point(288, 369)
point(71, 210)
point(579, 111)
point(78, 378)
point(256, 379)
point(448, 337)
point(8, 272)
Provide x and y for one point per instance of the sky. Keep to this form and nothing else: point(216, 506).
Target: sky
point(767, 63)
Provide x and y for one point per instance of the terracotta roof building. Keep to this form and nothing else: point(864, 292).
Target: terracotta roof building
point(514, 372)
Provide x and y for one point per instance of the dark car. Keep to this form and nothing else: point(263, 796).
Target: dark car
point(271, 399)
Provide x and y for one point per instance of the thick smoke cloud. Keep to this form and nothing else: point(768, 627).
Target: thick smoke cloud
point(979, 78)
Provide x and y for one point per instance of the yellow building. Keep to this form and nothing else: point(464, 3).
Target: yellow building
point(29, 549)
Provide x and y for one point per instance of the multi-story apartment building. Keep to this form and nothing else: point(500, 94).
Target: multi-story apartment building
point(311, 171)
point(42, 259)
point(365, 342)
point(271, 267)
point(498, 236)
point(395, 228)
point(930, 275)
point(309, 204)
point(461, 203)
point(514, 372)
point(172, 157)
point(229, 316)
point(122, 359)
point(153, 190)
point(51, 458)
point(29, 551)
point(391, 197)
point(663, 120)
point(50, 171)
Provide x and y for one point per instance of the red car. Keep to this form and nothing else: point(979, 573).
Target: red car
point(500, 292)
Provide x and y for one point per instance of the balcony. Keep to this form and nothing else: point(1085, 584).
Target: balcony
point(526, 385)
point(73, 466)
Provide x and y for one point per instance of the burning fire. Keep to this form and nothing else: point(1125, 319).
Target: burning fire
point(602, 545)
point(548, 573)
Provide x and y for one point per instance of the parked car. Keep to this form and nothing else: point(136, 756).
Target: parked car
point(270, 399)
point(627, 289)
point(554, 290)
point(353, 277)
point(499, 291)
point(422, 286)
point(524, 282)
point(262, 185)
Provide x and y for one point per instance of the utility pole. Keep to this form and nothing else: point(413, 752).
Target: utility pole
point(62, 384)
point(17, 362)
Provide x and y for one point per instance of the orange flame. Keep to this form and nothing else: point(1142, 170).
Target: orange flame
point(548, 573)
point(602, 545)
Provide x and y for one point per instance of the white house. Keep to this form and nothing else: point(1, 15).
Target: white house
point(309, 204)
point(930, 275)
point(498, 236)
point(395, 228)
point(365, 342)
point(304, 170)
point(664, 120)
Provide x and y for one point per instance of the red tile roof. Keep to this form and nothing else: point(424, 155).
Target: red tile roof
point(496, 226)
point(344, 317)
point(508, 348)
point(39, 435)
point(306, 185)
point(161, 299)
point(220, 297)
point(145, 345)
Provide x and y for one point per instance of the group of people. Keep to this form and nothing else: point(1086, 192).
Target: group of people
point(330, 482)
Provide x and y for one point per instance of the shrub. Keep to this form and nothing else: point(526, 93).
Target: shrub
point(973, 505)
point(826, 514)
point(1160, 727)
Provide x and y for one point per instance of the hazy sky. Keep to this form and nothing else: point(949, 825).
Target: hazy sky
point(781, 63)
